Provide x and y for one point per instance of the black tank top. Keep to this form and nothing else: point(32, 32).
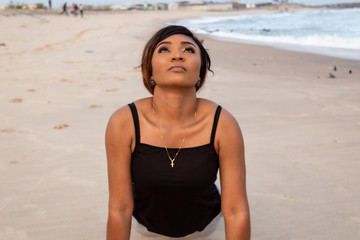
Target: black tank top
point(175, 201)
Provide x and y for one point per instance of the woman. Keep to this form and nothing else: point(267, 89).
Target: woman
point(164, 151)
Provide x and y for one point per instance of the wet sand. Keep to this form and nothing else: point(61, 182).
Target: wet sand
point(62, 77)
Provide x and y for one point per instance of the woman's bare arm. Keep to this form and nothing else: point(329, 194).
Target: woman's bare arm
point(119, 140)
point(234, 203)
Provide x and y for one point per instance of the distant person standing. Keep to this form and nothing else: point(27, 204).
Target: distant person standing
point(49, 4)
point(81, 9)
point(74, 9)
point(64, 9)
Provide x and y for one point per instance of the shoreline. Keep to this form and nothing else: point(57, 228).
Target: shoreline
point(347, 54)
point(292, 44)
point(62, 78)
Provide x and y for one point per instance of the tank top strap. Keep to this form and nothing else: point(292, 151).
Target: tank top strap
point(136, 121)
point(216, 120)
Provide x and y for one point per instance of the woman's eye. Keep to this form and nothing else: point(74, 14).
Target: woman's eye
point(163, 50)
point(189, 49)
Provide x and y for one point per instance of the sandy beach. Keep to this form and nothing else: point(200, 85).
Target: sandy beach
point(62, 77)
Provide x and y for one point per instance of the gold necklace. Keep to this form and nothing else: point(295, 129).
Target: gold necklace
point(172, 160)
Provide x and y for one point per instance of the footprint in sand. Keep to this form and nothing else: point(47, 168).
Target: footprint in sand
point(20, 158)
point(95, 106)
point(16, 100)
point(289, 197)
point(31, 90)
point(112, 90)
point(120, 79)
point(10, 130)
point(66, 80)
point(61, 126)
point(2, 44)
point(7, 130)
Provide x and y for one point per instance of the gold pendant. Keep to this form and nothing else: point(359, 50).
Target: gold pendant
point(172, 162)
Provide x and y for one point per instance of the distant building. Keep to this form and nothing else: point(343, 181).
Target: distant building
point(200, 6)
point(160, 6)
point(236, 5)
point(24, 6)
point(264, 4)
point(130, 6)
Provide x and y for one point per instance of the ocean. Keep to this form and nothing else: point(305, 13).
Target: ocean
point(332, 32)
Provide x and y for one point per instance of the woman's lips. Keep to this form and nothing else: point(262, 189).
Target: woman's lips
point(177, 69)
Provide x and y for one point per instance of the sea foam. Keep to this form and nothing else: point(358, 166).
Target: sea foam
point(333, 32)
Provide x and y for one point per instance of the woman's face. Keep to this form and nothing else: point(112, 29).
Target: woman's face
point(176, 62)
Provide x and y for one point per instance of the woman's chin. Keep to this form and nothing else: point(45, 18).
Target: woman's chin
point(178, 86)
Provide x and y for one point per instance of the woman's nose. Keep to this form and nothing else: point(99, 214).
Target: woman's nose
point(178, 57)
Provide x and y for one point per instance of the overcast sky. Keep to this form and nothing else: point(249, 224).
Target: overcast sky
point(58, 3)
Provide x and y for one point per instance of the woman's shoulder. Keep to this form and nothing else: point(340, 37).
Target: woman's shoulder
point(228, 129)
point(120, 119)
point(140, 103)
point(209, 106)
point(125, 110)
point(123, 114)
point(225, 117)
point(206, 105)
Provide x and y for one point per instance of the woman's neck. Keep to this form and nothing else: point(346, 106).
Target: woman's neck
point(174, 108)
